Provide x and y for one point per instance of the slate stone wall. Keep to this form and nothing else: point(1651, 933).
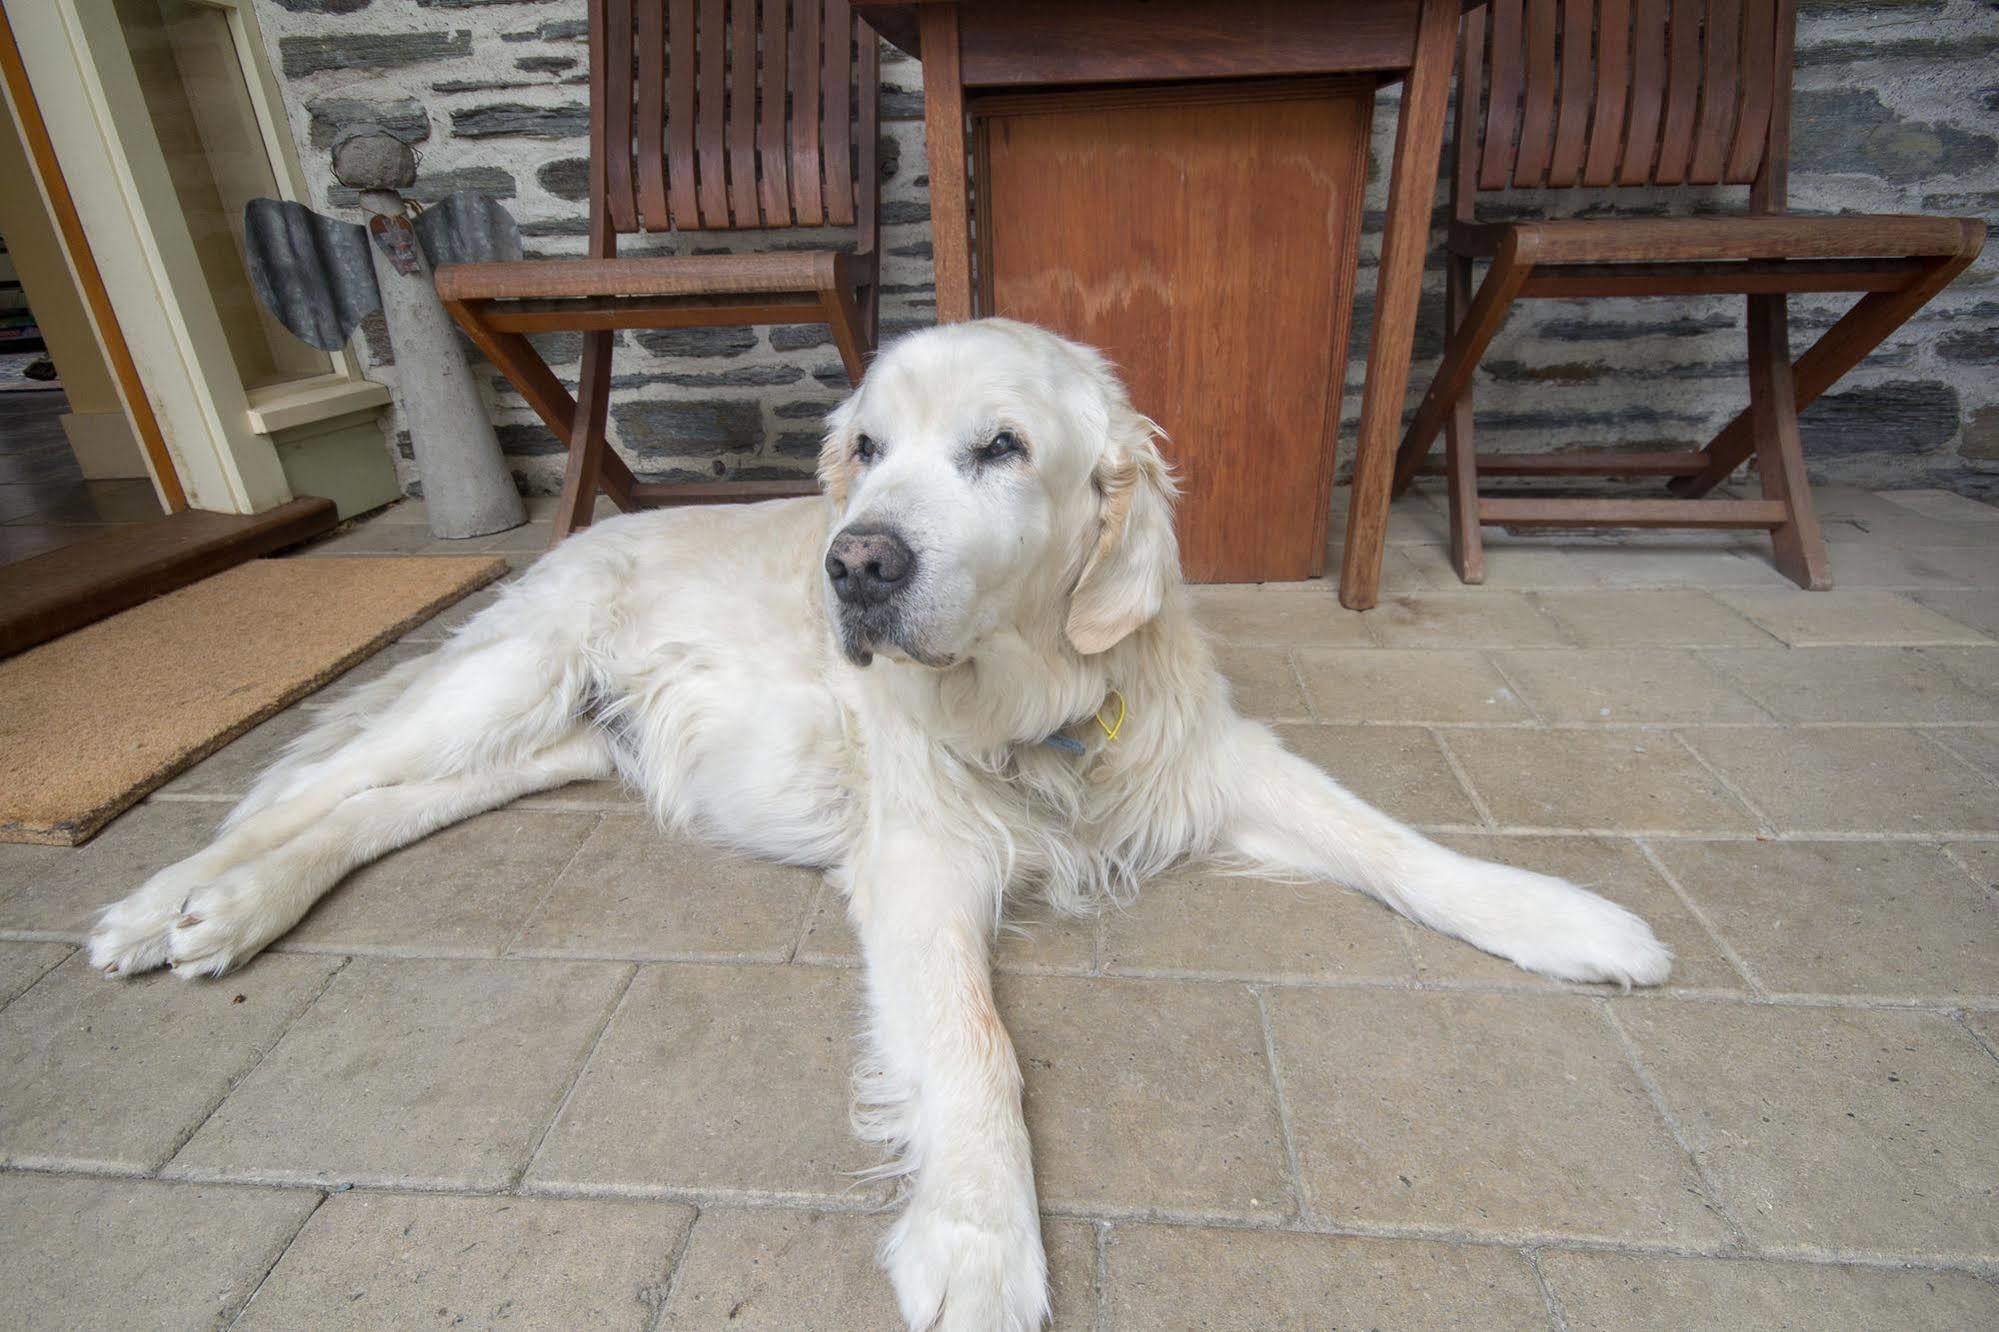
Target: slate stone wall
point(1896, 110)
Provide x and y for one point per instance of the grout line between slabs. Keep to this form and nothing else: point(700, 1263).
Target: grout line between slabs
point(548, 891)
point(1301, 1202)
point(1694, 909)
point(1557, 1317)
point(1739, 1237)
point(1764, 822)
point(264, 1280)
point(1457, 767)
point(675, 1262)
point(611, 1011)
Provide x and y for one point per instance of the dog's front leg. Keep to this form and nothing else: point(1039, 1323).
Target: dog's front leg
point(942, 1088)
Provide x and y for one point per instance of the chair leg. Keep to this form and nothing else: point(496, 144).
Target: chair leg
point(1780, 455)
point(1461, 459)
point(850, 332)
point(587, 447)
point(1469, 339)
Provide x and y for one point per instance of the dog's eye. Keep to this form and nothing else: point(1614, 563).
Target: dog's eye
point(864, 449)
point(1003, 445)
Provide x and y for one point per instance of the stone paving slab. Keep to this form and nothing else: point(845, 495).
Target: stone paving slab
point(429, 1074)
point(60, 897)
point(1195, 923)
point(382, 1260)
point(1407, 686)
point(1164, 1278)
point(1850, 780)
point(84, 1252)
point(717, 1080)
point(1509, 1116)
point(1402, 768)
point(98, 1074)
point(1631, 780)
point(1868, 1130)
point(1608, 1292)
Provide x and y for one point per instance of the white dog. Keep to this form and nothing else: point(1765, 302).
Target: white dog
point(913, 683)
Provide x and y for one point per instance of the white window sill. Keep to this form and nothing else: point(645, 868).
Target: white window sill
point(304, 402)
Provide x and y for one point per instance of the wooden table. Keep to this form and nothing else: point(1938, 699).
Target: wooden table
point(993, 61)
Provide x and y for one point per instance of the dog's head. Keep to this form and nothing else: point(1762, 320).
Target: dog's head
point(985, 477)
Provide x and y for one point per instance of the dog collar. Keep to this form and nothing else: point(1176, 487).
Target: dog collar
point(1071, 745)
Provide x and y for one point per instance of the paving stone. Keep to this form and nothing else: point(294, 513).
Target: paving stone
point(1851, 779)
point(1407, 686)
point(717, 1078)
point(1611, 1292)
point(1507, 568)
point(375, 1260)
point(1874, 918)
point(636, 891)
point(1610, 867)
point(1206, 923)
point(1982, 859)
point(1287, 614)
point(21, 864)
point(1181, 1277)
point(1942, 505)
point(60, 896)
point(1871, 616)
point(1504, 1115)
point(1858, 684)
point(1262, 683)
point(1978, 611)
point(1849, 1129)
point(1117, 1121)
point(127, 1252)
point(21, 965)
point(1462, 620)
point(1624, 685)
point(1033, 940)
point(1676, 617)
point(1922, 568)
point(103, 1074)
point(1629, 780)
point(422, 1074)
point(1399, 769)
point(1634, 566)
point(461, 892)
point(774, 1269)
point(231, 770)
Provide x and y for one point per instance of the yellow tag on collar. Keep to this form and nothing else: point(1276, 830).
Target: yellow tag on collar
point(1111, 730)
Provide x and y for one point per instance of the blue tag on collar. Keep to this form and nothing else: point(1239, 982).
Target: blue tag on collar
point(1068, 743)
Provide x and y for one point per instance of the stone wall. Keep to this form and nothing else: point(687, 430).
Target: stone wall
point(1896, 110)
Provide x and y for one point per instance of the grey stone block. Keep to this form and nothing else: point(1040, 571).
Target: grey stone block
point(517, 120)
point(697, 341)
point(1852, 129)
point(1901, 417)
point(706, 428)
point(370, 50)
point(402, 117)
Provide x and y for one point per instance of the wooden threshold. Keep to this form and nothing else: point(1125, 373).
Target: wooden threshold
point(61, 590)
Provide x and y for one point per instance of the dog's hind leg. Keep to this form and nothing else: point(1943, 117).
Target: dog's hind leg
point(1288, 819)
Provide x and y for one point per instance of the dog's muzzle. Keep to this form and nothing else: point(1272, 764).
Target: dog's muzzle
point(869, 568)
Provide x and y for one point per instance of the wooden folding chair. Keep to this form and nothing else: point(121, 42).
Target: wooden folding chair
point(1610, 93)
point(726, 114)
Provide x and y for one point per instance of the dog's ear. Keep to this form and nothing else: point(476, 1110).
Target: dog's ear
point(836, 451)
point(1135, 558)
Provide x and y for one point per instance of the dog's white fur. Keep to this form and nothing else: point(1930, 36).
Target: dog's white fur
point(700, 654)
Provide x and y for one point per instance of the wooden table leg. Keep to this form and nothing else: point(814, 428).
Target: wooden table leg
point(1405, 243)
point(944, 146)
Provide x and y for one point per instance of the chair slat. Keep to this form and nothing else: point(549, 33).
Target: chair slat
point(1759, 74)
point(774, 175)
point(1507, 63)
point(1464, 134)
point(1720, 90)
point(1648, 92)
point(711, 46)
point(1537, 108)
point(617, 146)
point(836, 80)
point(1613, 82)
point(742, 113)
point(1683, 76)
point(651, 115)
point(680, 167)
point(1565, 163)
point(808, 201)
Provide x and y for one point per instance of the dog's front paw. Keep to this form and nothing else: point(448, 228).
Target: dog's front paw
point(959, 1275)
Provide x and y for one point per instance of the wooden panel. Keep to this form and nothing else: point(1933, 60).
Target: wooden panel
point(1683, 93)
point(1759, 73)
point(1007, 45)
point(1648, 91)
point(618, 89)
point(1565, 167)
point(1720, 91)
point(807, 199)
point(1142, 254)
point(837, 81)
point(680, 184)
point(651, 115)
point(944, 152)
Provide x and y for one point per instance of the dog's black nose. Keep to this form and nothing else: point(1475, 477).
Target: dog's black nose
point(868, 565)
